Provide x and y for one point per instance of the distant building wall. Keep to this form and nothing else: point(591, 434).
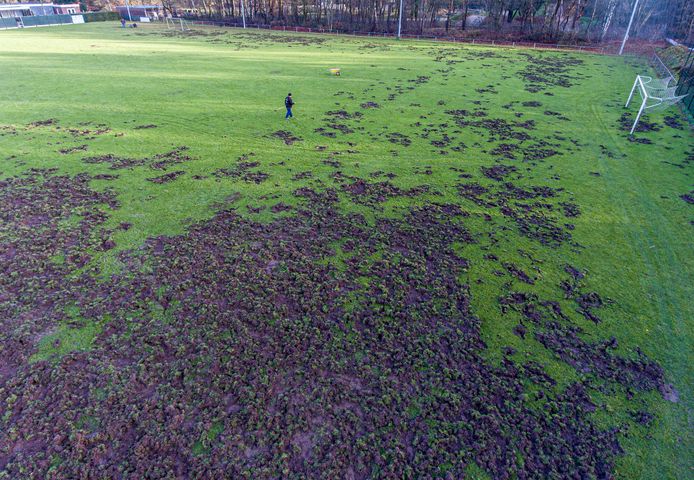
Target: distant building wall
point(14, 12)
point(37, 9)
point(46, 9)
point(68, 8)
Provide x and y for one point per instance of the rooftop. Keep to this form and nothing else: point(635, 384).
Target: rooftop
point(24, 6)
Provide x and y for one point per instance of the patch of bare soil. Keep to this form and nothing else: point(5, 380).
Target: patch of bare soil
point(287, 137)
point(167, 177)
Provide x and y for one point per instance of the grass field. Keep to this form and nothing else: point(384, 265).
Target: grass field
point(452, 262)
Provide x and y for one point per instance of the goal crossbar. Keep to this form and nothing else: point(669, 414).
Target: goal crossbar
point(656, 94)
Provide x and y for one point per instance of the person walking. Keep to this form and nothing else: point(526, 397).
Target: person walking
point(289, 103)
point(122, 23)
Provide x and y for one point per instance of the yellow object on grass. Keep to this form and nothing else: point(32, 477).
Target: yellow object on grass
point(335, 71)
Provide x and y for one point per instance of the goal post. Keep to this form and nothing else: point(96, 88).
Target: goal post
point(656, 94)
point(177, 24)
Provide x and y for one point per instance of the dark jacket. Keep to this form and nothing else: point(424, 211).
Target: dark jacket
point(288, 102)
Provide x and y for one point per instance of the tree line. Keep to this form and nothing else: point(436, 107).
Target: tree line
point(538, 20)
point(566, 20)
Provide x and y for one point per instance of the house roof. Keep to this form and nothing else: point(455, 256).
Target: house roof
point(27, 6)
point(18, 6)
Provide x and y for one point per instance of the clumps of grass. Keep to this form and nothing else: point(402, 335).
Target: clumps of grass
point(287, 137)
point(167, 177)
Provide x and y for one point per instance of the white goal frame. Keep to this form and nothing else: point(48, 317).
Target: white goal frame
point(656, 94)
point(176, 23)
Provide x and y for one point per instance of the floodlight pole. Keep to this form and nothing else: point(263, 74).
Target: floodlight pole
point(626, 35)
point(127, 6)
point(243, 13)
point(400, 19)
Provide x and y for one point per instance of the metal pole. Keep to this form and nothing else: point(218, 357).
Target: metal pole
point(400, 19)
point(243, 13)
point(626, 35)
point(638, 117)
point(127, 5)
point(636, 82)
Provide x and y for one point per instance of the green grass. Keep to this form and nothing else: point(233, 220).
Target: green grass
point(64, 340)
point(75, 336)
point(222, 96)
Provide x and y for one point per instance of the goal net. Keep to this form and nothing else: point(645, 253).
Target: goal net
point(177, 24)
point(656, 94)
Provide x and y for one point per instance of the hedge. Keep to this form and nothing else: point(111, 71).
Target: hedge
point(100, 16)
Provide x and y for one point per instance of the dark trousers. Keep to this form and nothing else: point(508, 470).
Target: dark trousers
point(289, 113)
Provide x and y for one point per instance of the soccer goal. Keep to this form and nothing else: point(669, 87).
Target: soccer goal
point(656, 94)
point(177, 24)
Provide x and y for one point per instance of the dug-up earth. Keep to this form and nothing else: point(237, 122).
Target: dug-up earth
point(452, 263)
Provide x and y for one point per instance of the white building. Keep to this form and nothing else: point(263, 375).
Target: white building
point(14, 10)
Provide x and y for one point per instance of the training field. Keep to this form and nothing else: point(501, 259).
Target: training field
point(452, 263)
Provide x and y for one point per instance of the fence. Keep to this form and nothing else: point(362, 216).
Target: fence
point(685, 85)
point(678, 63)
point(46, 20)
